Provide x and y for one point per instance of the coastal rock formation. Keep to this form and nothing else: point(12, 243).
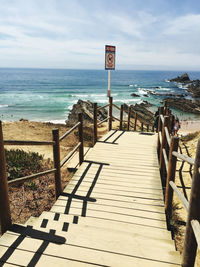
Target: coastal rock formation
point(194, 88)
point(184, 78)
point(185, 105)
point(85, 107)
point(167, 95)
point(133, 94)
point(144, 115)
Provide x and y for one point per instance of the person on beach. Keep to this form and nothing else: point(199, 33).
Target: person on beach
point(176, 127)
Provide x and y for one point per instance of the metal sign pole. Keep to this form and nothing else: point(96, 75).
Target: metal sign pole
point(109, 83)
point(109, 65)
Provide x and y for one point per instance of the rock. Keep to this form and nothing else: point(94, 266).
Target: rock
point(167, 95)
point(194, 88)
point(181, 79)
point(144, 115)
point(133, 94)
point(22, 119)
point(183, 104)
point(85, 107)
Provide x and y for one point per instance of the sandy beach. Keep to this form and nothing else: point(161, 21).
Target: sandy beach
point(189, 126)
point(42, 131)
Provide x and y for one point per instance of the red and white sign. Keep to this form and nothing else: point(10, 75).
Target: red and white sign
point(109, 57)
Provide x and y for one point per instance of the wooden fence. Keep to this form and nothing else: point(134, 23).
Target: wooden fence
point(167, 148)
point(5, 216)
point(121, 120)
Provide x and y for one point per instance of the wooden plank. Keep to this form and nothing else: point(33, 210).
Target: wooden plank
point(112, 209)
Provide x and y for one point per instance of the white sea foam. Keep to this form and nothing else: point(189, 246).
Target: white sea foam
point(56, 121)
point(142, 91)
point(182, 86)
point(126, 101)
point(3, 106)
point(166, 89)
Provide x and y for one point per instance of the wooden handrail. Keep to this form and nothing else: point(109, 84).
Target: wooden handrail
point(165, 159)
point(190, 243)
point(30, 177)
point(28, 142)
point(69, 155)
point(103, 121)
point(171, 172)
point(99, 108)
point(183, 157)
point(116, 118)
point(69, 131)
point(116, 107)
point(160, 137)
point(167, 136)
point(196, 229)
point(162, 118)
point(180, 195)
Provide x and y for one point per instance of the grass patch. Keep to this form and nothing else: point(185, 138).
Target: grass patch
point(20, 163)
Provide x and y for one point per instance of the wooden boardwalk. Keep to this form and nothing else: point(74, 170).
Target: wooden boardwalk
point(110, 214)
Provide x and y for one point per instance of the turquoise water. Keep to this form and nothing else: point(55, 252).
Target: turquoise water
point(49, 94)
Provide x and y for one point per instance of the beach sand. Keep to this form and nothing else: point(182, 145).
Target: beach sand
point(189, 126)
point(42, 131)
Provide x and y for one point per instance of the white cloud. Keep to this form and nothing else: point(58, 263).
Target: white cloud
point(73, 34)
point(188, 24)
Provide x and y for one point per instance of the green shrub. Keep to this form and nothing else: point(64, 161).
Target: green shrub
point(20, 163)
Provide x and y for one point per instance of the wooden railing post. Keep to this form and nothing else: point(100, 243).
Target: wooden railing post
point(190, 244)
point(160, 110)
point(172, 118)
point(163, 145)
point(129, 117)
point(142, 126)
point(80, 129)
point(95, 124)
point(110, 113)
point(5, 216)
point(121, 117)
point(56, 157)
point(135, 126)
point(171, 177)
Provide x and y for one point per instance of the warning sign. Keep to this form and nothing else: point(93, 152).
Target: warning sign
point(109, 57)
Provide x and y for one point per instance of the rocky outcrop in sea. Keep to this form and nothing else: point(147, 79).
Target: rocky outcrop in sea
point(86, 108)
point(183, 104)
point(193, 86)
point(143, 113)
point(184, 78)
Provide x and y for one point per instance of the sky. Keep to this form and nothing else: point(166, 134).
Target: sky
point(148, 34)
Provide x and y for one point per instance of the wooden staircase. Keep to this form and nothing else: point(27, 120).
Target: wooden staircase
point(110, 214)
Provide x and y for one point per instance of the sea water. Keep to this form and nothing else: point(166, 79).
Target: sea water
point(49, 94)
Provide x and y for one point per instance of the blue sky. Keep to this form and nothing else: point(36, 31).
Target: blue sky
point(154, 34)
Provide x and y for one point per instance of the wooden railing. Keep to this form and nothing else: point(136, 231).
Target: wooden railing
point(121, 120)
point(167, 148)
point(5, 216)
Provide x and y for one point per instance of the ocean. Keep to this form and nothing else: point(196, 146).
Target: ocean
point(49, 94)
